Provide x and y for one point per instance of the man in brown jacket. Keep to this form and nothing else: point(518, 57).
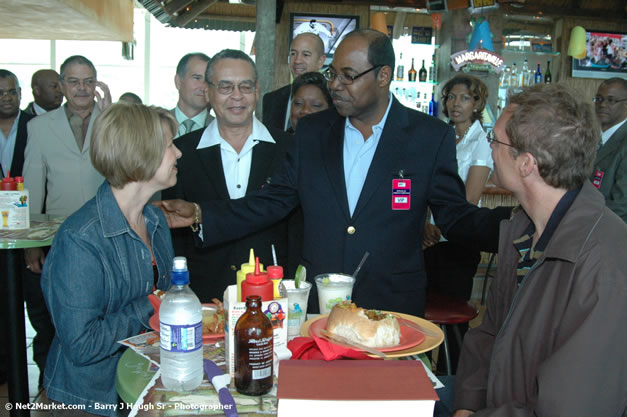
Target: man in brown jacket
point(552, 342)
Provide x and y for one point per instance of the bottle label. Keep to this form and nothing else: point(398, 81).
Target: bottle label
point(181, 338)
point(260, 354)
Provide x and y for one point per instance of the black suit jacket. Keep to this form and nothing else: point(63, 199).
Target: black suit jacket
point(414, 147)
point(201, 178)
point(275, 107)
point(17, 163)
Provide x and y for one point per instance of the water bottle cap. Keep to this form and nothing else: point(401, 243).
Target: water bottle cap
point(180, 275)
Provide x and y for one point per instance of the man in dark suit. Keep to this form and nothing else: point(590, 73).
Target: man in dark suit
point(192, 109)
point(234, 156)
point(306, 55)
point(364, 179)
point(46, 92)
point(610, 167)
point(12, 144)
point(12, 124)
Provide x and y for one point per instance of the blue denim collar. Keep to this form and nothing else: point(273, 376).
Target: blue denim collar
point(114, 223)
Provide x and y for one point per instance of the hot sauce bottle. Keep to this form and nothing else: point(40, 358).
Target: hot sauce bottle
point(254, 350)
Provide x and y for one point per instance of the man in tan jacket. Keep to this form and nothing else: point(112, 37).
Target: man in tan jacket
point(57, 169)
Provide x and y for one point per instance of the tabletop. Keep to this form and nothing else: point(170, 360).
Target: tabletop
point(40, 234)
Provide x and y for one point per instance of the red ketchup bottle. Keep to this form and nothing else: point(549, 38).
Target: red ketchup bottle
point(8, 184)
point(259, 284)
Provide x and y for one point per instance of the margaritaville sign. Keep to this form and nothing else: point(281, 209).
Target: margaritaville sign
point(477, 60)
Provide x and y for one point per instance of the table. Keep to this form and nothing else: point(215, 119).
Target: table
point(11, 246)
point(134, 372)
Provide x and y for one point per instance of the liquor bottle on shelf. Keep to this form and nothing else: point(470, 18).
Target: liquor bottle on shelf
point(537, 78)
point(513, 76)
point(422, 74)
point(432, 69)
point(547, 73)
point(433, 105)
point(411, 74)
point(505, 76)
point(524, 73)
point(400, 69)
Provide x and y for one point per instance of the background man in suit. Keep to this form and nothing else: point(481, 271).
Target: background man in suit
point(12, 125)
point(12, 143)
point(610, 168)
point(306, 55)
point(192, 109)
point(364, 178)
point(46, 91)
point(232, 157)
point(550, 343)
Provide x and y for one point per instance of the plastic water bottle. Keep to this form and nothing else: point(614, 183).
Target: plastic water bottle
point(180, 315)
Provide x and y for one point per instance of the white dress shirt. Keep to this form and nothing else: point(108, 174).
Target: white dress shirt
point(358, 154)
point(236, 166)
point(7, 146)
point(199, 121)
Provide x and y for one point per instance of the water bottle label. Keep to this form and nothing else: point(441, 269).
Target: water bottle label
point(181, 338)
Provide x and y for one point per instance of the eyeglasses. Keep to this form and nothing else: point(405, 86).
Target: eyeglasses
point(345, 79)
point(492, 139)
point(11, 93)
point(75, 82)
point(226, 88)
point(610, 100)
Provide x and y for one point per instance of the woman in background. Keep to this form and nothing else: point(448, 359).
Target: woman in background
point(108, 256)
point(310, 94)
point(451, 267)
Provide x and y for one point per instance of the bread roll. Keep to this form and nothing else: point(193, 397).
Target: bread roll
point(368, 327)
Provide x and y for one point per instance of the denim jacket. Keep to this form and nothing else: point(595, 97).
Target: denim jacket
point(96, 280)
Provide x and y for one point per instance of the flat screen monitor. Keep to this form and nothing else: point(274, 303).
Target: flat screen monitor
point(330, 28)
point(606, 56)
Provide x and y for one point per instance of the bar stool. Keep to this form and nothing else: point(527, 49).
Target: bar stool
point(448, 312)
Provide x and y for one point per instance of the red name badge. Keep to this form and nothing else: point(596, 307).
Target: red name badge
point(401, 194)
point(598, 178)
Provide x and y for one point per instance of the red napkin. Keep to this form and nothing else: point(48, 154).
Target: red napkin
point(307, 348)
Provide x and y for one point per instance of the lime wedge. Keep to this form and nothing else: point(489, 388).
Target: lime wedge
point(301, 275)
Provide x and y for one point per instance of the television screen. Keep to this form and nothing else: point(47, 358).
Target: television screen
point(606, 56)
point(330, 28)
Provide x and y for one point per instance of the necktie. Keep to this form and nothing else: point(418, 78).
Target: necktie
point(188, 124)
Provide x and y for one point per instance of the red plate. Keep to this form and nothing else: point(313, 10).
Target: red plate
point(410, 337)
point(154, 324)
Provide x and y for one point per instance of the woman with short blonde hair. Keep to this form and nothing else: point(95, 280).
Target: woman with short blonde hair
point(108, 257)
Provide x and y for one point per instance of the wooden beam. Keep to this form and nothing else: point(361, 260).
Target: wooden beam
point(531, 10)
point(175, 6)
point(189, 15)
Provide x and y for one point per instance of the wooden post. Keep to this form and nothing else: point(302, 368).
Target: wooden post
point(264, 42)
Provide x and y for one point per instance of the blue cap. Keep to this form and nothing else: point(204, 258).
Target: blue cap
point(180, 274)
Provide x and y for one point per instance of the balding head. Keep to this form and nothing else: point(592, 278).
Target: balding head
point(46, 89)
point(306, 54)
point(380, 49)
point(610, 102)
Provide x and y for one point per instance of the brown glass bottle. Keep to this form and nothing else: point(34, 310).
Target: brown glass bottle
point(254, 350)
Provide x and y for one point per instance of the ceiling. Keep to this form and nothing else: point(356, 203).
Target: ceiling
point(67, 19)
point(113, 19)
point(220, 14)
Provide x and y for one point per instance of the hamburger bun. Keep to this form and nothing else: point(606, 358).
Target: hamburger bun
point(372, 328)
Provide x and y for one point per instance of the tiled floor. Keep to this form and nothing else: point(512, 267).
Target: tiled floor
point(33, 378)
